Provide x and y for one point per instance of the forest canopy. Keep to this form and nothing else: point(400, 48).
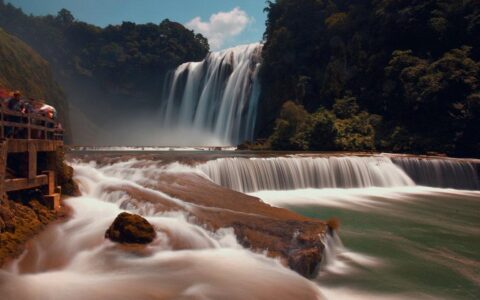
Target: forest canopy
point(414, 64)
point(120, 56)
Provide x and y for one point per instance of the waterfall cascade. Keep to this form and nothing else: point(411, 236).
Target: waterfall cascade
point(287, 173)
point(218, 95)
point(444, 173)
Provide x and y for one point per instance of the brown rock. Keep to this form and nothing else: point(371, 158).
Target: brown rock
point(305, 261)
point(283, 234)
point(130, 229)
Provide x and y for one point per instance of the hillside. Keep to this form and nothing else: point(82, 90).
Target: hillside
point(414, 65)
point(21, 68)
point(116, 71)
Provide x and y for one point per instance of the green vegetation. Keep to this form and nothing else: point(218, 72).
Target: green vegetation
point(342, 128)
point(125, 58)
point(117, 71)
point(23, 69)
point(413, 68)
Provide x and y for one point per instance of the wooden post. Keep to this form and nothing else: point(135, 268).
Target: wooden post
point(29, 128)
point(3, 166)
point(32, 160)
point(51, 181)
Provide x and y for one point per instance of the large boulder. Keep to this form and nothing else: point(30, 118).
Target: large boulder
point(130, 229)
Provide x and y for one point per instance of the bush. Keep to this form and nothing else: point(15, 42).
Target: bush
point(288, 125)
point(323, 131)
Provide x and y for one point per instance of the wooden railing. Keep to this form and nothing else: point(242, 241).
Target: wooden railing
point(17, 125)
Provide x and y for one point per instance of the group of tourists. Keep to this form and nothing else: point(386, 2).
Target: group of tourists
point(14, 102)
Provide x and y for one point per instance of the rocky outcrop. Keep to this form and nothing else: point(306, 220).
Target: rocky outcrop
point(130, 229)
point(21, 220)
point(65, 174)
point(280, 233)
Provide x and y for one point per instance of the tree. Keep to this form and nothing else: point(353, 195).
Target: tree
point(323, 131)
point(64, 18)
point(292, 118)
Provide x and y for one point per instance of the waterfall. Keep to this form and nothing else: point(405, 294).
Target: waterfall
point(218, 95)
point(445, 173)
point(288, 173)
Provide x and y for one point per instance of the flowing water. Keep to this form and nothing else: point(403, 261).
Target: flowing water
point(285, 173)
point(218, 95)
point(399, 239)
point(415, 242)
point(74, 261)
point(403, 238)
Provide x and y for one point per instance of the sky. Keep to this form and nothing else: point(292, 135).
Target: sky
point(225, 23)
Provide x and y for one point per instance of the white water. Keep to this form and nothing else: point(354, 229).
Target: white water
point(74, 261)
point(285, 173)
point(289, 173)
point(445, 173)
point(218, 95)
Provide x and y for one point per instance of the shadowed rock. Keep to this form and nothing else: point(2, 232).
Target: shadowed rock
point(130, 229)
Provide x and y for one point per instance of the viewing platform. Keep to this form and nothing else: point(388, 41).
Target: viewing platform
point(28, 155)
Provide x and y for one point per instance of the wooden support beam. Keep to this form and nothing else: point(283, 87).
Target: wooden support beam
point(19, 184)
point(32, 160)
point(53, 201)
point(51, 181)
point(18, 146)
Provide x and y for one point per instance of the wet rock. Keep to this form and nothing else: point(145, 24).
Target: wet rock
point(306, 261)
point(130, 229)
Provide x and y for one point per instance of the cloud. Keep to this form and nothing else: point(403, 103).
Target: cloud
point(221, 26)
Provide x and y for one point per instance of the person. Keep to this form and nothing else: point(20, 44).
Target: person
point(13, 104)
point(48, 111)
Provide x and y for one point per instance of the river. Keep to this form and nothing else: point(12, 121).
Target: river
point(410, 228)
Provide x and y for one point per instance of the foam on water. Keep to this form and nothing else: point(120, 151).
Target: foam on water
point(296, 172)
point(74, 261)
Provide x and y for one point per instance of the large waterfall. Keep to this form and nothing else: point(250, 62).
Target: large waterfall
point(218, 96)
point(287, 173)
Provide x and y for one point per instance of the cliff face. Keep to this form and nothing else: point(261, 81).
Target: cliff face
point(21, 68)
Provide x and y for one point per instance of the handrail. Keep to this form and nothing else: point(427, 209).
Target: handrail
point(18, 125)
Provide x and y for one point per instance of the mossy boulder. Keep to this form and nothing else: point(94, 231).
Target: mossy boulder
point(130, 229)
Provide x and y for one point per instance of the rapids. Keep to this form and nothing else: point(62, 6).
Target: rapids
point(74, 261)
point(401, 238)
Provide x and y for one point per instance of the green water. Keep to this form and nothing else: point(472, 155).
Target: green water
point(425, 245)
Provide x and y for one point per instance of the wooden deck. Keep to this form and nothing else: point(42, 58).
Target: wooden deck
point(24, 138)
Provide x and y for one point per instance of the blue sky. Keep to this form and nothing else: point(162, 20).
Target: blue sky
point(225, 22)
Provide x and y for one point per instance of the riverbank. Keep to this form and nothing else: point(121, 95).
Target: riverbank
point(25, 214)
point(20, 222)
